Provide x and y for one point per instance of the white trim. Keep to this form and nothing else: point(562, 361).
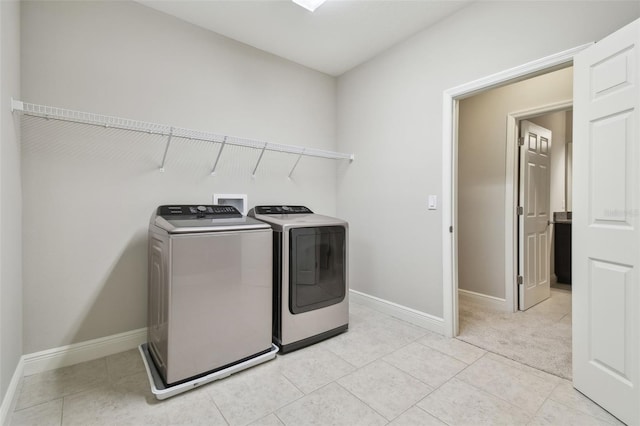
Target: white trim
point(64, 356)
point(511, 193)
point(449, 158)
point(485, 300)
point(521, 72)
point(404, 313)
point(449, 217)
point(510, 217)
point(10, 397)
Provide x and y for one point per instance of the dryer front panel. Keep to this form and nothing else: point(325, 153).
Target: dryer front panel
point(317, 275)
point(312, 280)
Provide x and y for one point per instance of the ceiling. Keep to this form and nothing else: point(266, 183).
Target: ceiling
point(338, 36)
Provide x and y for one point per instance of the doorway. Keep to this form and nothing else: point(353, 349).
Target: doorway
point(451, 99)
point(605, 342)
point(487, 196)
point(487, 180)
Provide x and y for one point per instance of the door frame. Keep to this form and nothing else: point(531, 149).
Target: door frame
point(451, 98)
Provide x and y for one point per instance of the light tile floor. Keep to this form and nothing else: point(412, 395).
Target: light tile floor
point(382, 371)
point(539, 337)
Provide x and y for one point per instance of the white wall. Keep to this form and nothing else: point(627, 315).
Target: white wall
point(10, 198)
point(390, 115)
point(482, 149)
point(89, 192)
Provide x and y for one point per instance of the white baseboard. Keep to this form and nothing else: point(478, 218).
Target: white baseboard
point(64, 356)
point(84, 351)
point(413, 316)
point(485, 300)
point(10, 398)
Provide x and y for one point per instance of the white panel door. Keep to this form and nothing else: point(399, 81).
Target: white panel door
point(534, 218)
point(606, 224)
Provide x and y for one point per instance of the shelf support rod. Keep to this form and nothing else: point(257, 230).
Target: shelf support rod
point(166, 149)
point(259, 159)
point(224, 142)
point(296, 163)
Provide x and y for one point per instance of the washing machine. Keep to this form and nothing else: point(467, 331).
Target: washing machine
point(210, 291)
point(310, 275)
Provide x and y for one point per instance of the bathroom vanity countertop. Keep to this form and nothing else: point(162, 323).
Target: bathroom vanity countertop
point(562, 217)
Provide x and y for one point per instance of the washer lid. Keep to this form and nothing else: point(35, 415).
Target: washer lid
point(181, 219)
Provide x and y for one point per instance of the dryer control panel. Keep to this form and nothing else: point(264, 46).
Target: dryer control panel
point(198, 211)
point(282, 210)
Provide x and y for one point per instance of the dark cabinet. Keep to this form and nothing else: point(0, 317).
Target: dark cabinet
point(562, 248)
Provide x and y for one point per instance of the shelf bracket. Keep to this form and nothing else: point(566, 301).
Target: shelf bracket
point(215, 165)
point(166, 150)
point(253, 174)
point(296, 163)
point(16, 105)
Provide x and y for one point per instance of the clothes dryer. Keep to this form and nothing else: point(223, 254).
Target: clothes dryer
point(310, 275)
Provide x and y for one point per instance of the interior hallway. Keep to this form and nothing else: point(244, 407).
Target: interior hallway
point(382, 371)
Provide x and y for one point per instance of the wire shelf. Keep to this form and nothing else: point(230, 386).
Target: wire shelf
point(63, 114)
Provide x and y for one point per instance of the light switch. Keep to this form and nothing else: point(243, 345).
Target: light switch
point(433, 202)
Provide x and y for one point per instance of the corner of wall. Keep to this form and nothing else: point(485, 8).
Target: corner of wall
point(11, 362)
point(10, 398)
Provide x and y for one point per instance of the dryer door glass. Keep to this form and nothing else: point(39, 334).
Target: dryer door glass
point(317, 268)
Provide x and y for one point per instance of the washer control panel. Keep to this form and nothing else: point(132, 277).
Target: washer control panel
point(282, 210)
point(198, 211)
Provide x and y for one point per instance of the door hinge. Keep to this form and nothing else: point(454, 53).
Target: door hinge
point(451, 229)
point(520, 210)
point(520, 280)
point(521, 141)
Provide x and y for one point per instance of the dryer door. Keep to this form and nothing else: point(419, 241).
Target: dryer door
point(317, 267)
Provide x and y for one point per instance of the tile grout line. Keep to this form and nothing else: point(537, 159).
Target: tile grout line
point(432, 387)
point(213, 401)
point(62, 411)
point(544, 402)
point(293, 400)
point(531, 417)
point(454, 357)
point(435, 388)
point(364, 402)
point(584, 412)
point(380, 358)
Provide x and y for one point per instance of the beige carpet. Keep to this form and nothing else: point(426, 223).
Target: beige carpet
point(539, 337)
